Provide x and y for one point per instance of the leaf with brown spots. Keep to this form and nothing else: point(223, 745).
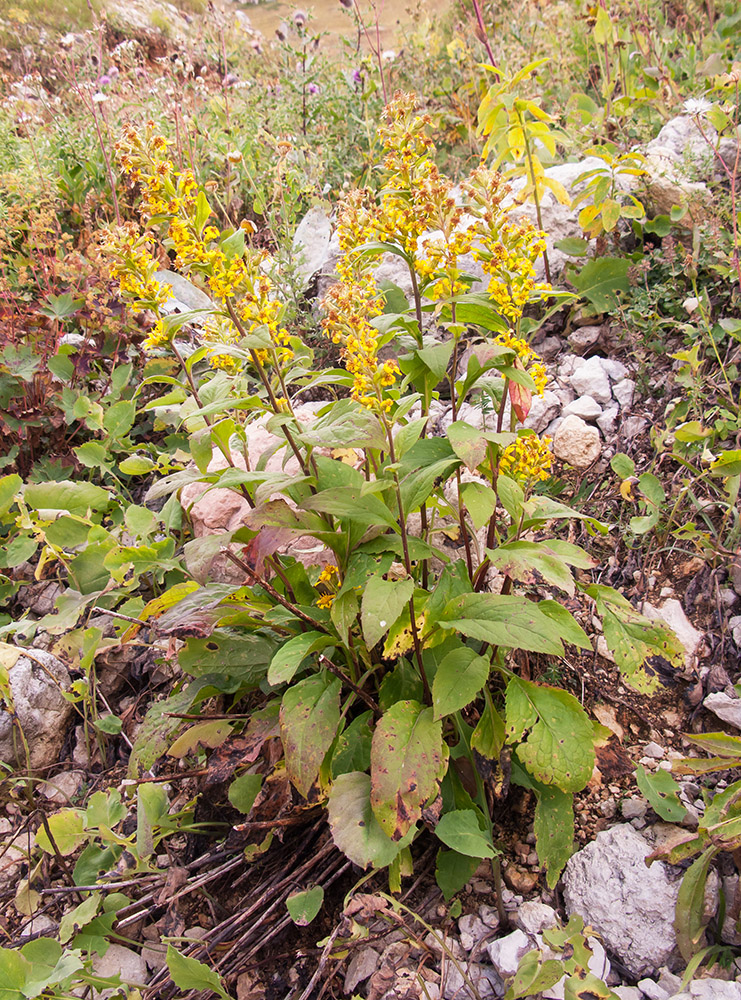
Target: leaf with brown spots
point(558, 748)
point(406, 765)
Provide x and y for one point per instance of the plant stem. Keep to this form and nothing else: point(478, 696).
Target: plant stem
point(482, 29)
point(363, 695)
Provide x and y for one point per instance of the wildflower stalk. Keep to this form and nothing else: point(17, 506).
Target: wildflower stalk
point(536, 197)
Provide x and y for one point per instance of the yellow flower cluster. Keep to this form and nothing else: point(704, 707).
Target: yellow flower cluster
point(531, 361)
point(529, 459)
point(236, 276)
point(507, 251)
point(135, 266)
point(330, 578)
point(348, 308)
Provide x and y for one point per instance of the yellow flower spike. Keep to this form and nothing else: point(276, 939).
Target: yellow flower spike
point(529, 459)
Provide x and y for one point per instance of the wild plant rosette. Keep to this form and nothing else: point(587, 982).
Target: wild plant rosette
point(389, 660)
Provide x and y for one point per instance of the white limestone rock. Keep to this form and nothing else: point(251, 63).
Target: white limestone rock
point(630, 905)
point(37, 681)
point(311, 244)
point(505, 953)
point(577, 442)
point(585, 407)
point(591, 379)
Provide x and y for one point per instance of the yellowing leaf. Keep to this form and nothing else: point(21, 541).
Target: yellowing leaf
point(406, 765)
point(558, 747)
point(309, 716)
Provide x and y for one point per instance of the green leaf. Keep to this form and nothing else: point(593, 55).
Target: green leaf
point(15, 971)
point(468, 443)
point(243, 791)
point(632, 639)
point(661, 791)
point(355, 829)
point(600, 280)
point(554, 830)
point(622, 465)
point(689, 919)
point(237, 655)
point(459, 678)
point(728, 463)
point(558, 749)
point(290, 656)
point(109, 723)
point(75, 498)
point(119, 418)
point(190, 974)
point(67, 830)
point(352, 752)
point(9, 486)
point(382, 603)
point(406, 765)
point(136, 465)
point(79, 917)
point(480, 501)
point(574, 246)
point(460, 830)
point(534, 975)
point(309, 716)
point(453, 870)
point(304, 906)
point(528, 561)
point(571, 630)
point(348, 503)
point(514, 622)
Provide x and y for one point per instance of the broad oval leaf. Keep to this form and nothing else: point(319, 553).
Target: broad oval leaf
point(503, 621)
point(459, 678)
point(309, 716)
point(406, 765)
point(355, 830)
point(558, 748)
point(304, 906)
point(460, 830)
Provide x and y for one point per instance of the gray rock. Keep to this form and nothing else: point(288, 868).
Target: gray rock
point(505, 953)
point(311, 244)
point(628, 992)
point(585, 407)
point(652, 990)
point(653, 750)
point(484, 980)
point(590, 379)
point(629, 904)
point(726, 708)
point(37, 681)
point(734, 626)
point(615, 370)
point(361, 966)
point(583, 338)
point(633, 427)
point(489, 916)
point(577, 443)
point(543, 409)
point(186, 296)
point(472, 930)
point(128, 964)
point(607, 423)
point(623, 392)
point(672, 613)
point(714, 989)
point(533, 917)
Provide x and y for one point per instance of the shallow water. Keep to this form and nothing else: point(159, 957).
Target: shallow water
point(330, 17)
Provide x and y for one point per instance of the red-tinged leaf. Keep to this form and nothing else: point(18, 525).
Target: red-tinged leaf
point(520, 396)
point(406, 765)
point(309, 716)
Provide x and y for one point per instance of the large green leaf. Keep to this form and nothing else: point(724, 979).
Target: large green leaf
point(661, 790)
point(600, 280)
point(383, 601)
point(632, 638)
point(355, 829)
point(190, 974)
point(459, 678)
point(503, 621)
point(76, 498)
point(289, 657)
point(468, 443)
point(554, 830)
point(309, 716)
point(347, 503)
point(558, 748)
point(240, 655)
point(406, 765)
point(460, 830)
point(689, 919)
point(453, 870)
point(528, 562)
